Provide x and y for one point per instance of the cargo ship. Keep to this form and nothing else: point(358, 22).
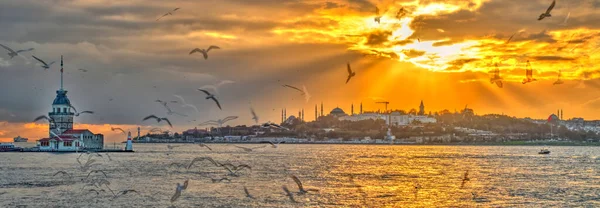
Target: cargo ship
point(20, 139)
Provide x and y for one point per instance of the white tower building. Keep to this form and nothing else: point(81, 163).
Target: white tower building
point(61, 109)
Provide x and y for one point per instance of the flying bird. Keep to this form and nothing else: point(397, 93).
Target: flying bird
point(169, 111)
point(350, 74)
point(249, 149)
point(82, 112)
point(211, 96)
point(465, 178)
point(121, 193)
point(547, 13)
point(13, 53)
point(96, 171)
point(377, 16)
point(118, 129)
point(158, 120)
point(558, 81)
point(204, 145)
point(171, 146)
point(272, 144)
point(168, 13)
point(63, 173)
point(528, 74)
point(50, 120)
point(306, 94)
point(300, 187)
point(295, 88)
point(288, 193)
point(83, 70)
point(216, 87)
point(204, 51)
point(566, 19)
point(215, 180)
point(218, 122)
point(496, 77)
point(178, 190)
point(197, 159)
point(248, 193)
point(254, 116)
point(184, 104)
point(44, 64)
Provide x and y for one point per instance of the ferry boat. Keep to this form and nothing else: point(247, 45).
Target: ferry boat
point(20, 139)
point(544, 151)
point(8, 147)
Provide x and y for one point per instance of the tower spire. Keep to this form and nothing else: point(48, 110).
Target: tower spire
point(61, 72)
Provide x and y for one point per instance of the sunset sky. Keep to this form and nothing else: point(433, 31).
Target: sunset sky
point(440, 52)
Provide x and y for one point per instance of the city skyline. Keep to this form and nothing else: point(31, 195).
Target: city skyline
point(441, 53)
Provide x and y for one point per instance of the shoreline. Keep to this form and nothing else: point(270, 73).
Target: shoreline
point(591, 144)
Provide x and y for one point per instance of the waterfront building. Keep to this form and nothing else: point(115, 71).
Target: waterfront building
point(61, 135)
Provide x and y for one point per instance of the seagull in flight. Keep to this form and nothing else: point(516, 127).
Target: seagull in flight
point(254, 116)
point(465, 178)
point(63, 173)
point(288, 193)
point(295, 88)
point(79, 113)
point(204, 51)
point(249, 149)
point(306, 94)
point(121, 193)
point(83, 70)
point(272, 144)
point(528, 74)
point(169, 111)
point(401, 13)
point(377, 16)
point(218, 122)
point(300, 187)
point(216, 86)
point(184, 104)
point(350, 74)
point(13, 53)
point(50, 120)
point(211, 96)
point(158, 120)
point(248, 193)
point(496, 77)
point(178, 190)
point(566, 19)
point(44, 65)
point(117, 129)
point(96, 171)
point(558, 81)
point(168, 13)
point(204, 145)
point(547, 13)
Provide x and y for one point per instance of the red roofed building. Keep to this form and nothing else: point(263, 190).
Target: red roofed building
point(62, 136)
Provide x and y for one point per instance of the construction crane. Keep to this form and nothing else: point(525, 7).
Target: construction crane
point(384, 102)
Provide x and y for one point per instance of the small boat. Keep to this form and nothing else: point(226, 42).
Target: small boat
point(8, 147)
point(544, 152)
point(20, 139)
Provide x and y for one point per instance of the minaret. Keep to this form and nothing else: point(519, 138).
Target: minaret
point(61, 109)
point(316, 115)
point(282, 119)
point(558, 113)
point(561, 114)
point(302, 115)
point(284, 115)
point(352, 109)
point(421, 108)
point(321, 108)
point(361, 108)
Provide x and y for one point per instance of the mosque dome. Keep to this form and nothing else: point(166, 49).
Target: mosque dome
point(553, 118)
point(61, 98)
point(337, 112)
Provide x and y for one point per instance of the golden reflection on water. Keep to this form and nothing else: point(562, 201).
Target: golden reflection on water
point(346, 176)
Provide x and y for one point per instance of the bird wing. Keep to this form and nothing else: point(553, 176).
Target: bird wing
point(194, 50)
point(247, 193)
point(176, 9)
point(349, 77)
point(31, 49)
point(90, 112)
point(294, 88)
point(244, 148)
point(168, 122)
point(288, 193)
point(185, 184)
point(499, 83)
point(349, 69)
point(254, 116)
point(40, 60)
point(551, 7)
point(229, 118)
point(8, 49)
point(298, 182)
point(151, 116)
point(205, 91)
point(176, 195)
point(180, 98)
point(216, 101)
point(212, 47)
point(225, 82)
point(40, 118)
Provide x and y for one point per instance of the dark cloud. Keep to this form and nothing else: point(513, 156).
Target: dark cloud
point(331, 5)
point(378, 38)
point(552, 58)
point(459, 63)
point(413, 53)
point(446, 42)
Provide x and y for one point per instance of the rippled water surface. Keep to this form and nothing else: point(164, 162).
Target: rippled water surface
point(346, 176)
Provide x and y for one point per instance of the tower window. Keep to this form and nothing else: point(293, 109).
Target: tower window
point(58, 111)
point(65, 110)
